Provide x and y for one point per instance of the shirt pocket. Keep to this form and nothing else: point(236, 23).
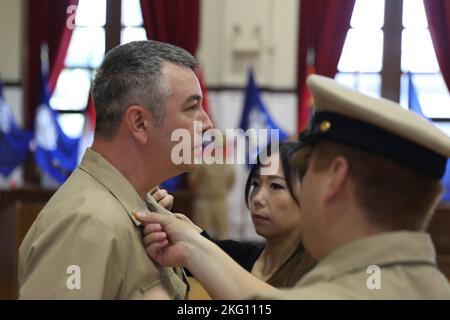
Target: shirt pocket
point(140, 293)
point(169, 281)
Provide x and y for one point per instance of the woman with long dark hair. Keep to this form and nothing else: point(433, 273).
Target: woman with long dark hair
point(275, 211)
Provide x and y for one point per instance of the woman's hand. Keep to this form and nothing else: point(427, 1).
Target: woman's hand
point(189, 221)
point(163, 198)
point(168, 239)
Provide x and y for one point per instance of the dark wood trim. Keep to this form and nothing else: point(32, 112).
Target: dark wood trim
point(241, 89)
point(12, 84)
point(440, 119)
point(30, 174)
point(392, 45)
point(25, 69)
point(82, 111)
point(113, 24)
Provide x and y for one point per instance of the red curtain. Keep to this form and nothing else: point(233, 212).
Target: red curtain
point(438, 16)
point(46, 22)
point(173, 21)
point(322, 31)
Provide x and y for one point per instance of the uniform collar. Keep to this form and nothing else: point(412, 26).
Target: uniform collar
point(400, 247)
point(100, 169)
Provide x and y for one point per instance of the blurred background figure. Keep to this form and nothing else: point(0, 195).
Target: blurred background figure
point(210, 184)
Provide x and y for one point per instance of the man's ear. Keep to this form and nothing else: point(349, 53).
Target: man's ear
point(338, 175)
point(137, 121)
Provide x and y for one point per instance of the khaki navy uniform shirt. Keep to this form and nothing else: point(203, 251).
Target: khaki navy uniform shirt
point(86, 244)
point(407, 270)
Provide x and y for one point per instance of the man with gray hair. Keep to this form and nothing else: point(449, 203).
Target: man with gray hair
point(86, 242)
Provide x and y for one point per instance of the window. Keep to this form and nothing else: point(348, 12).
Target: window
point(85, 54)
point(361, 60)
point(419, 59)
point(360, 65)
point(132, 22)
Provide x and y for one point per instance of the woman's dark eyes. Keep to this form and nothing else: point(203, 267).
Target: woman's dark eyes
point(277, 186)
point(192, 108)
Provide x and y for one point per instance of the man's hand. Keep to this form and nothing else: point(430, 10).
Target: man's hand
point(167, 239)
point(163, 198)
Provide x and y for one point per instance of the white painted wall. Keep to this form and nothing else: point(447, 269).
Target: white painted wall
point(11, 28)
point(226, 107)
point(235, 34)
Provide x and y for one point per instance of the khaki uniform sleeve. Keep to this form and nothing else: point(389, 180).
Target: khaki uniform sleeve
point(318, 291)
point(75, 258)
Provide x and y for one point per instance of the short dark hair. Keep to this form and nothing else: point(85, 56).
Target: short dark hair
point(131, 74)
point(393, 196)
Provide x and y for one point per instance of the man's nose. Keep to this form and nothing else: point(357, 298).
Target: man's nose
point(206, 121)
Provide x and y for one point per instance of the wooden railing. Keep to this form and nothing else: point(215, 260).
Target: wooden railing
point(15, 222)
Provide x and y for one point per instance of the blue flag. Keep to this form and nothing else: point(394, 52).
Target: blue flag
point(56, 154)
point(414, 105)
point(255, 116)
point(14, 142)
point(446, 183)
point(171, 185)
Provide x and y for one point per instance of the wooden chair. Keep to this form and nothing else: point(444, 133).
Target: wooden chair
point(14, 224)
